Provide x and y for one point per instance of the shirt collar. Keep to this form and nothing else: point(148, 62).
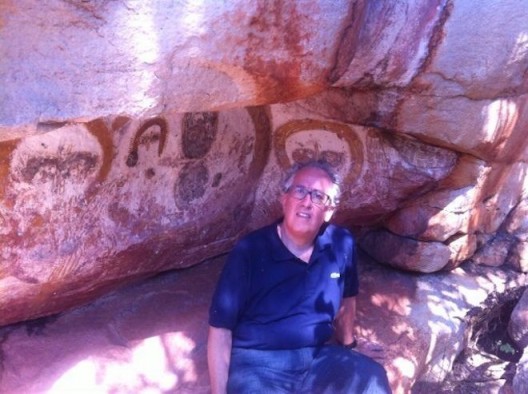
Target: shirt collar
point(280, 252)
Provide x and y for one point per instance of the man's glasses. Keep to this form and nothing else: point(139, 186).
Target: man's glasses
point(317, 197)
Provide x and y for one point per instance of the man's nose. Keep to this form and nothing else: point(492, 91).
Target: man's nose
point(307, 200)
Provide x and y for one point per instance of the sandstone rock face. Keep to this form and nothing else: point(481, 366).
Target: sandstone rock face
point(406, 253)
point(102, 58)
point(518, 326)
point(516, 227)
point(88, 204)
point(136, 138)
point(520, 381)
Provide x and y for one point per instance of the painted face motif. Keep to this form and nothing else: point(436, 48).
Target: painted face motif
point(301, 216)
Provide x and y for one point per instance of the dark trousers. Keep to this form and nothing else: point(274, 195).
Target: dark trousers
point(328, 369)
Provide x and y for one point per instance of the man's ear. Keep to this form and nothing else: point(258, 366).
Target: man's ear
point(329, 212)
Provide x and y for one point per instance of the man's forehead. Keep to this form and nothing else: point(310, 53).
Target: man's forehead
point(315, 178)
point(312, 173)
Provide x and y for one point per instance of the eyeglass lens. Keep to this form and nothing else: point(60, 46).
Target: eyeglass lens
point(317, 197)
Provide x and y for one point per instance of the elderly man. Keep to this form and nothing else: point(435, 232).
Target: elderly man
point(285, 290)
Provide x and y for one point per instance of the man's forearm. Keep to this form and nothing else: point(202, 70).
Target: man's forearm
point(218, 358)
point(345, 321)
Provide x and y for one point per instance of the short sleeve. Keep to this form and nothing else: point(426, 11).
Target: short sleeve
point(351, 272)
point(231, 290)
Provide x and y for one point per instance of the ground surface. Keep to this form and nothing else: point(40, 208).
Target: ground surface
point(150, 337)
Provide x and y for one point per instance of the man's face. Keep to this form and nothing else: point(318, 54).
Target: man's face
point(303, 217)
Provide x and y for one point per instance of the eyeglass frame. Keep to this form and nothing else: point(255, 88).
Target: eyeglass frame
point(310, 192)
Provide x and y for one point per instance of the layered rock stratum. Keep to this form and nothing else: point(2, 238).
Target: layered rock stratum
point(140, 137)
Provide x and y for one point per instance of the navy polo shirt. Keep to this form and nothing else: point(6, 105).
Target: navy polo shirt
point(270, 299)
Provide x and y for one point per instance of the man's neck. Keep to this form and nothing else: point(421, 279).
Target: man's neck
point(301, 246)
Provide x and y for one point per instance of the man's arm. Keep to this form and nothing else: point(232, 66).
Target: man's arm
point(218, 358)
point(345, 320)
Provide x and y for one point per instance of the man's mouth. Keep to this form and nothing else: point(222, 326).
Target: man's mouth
point(304, 215)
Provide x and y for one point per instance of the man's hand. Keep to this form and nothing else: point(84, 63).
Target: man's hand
point(351, 345)
point(344, 322)
point(218, 358)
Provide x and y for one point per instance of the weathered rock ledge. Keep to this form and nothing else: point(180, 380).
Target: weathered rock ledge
point(152, 335)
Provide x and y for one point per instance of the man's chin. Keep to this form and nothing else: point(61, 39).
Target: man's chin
point(306, 227)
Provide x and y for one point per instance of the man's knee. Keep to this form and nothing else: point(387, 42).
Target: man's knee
point(375, 375)
point(351, 372)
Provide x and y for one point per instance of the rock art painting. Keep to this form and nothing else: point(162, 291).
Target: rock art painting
point(209, 181)
point(337, 143)
point(6, 149)
point(380, 170)
point(199, 131)
point(159, 137)
point(89, 204)
point(138, 137)
point(62, 166)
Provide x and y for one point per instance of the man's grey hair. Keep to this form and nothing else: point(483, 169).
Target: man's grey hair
point(320, 164)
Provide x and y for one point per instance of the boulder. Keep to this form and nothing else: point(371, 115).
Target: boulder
point(518, 258)
point(462, 247)
point(418, 256)
point(518, 325)
point(520, 380)
point(516, 226)
point(495, 252)
point(517, 221)
point(436, 216)
point(405, 253)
